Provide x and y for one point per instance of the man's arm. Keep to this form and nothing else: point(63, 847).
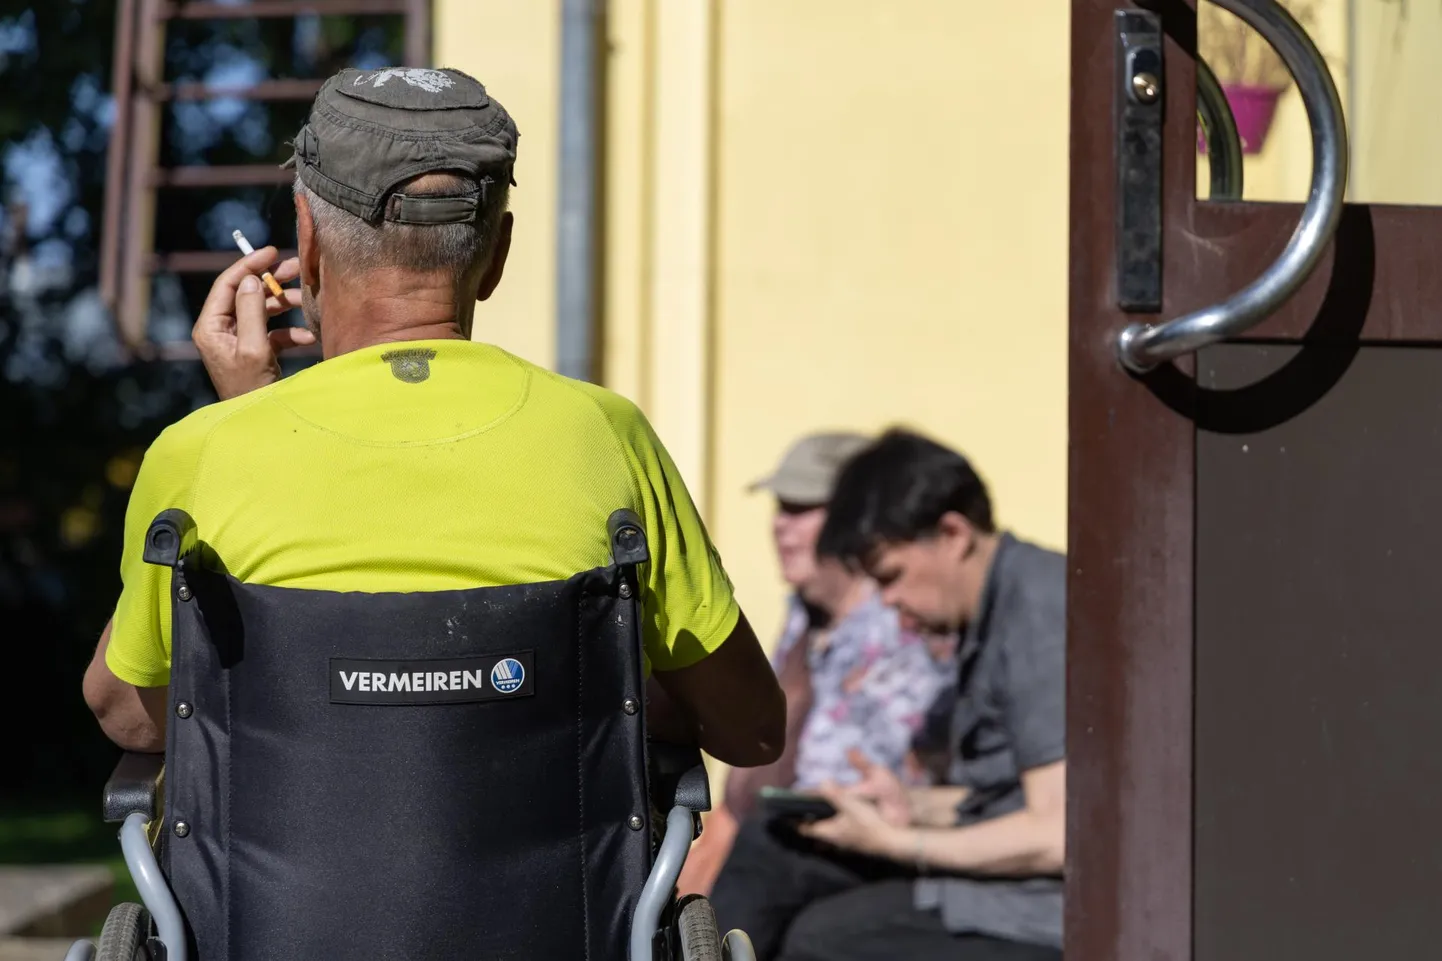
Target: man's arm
point(733, 700)
point(1030, 842)
point(710, 851)
point(935, 807)
point(742, 784)
point(133, 717)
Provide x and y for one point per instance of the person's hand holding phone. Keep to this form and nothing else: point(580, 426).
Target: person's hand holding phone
point(882, 788)
point(231, 334)
point(857, 825)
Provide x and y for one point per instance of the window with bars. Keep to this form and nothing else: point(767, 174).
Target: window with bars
point(206, 95)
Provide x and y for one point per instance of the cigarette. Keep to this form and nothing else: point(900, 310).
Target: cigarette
point(247, 249)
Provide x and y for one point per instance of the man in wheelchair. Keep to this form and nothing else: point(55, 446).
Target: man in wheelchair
point(389, 622)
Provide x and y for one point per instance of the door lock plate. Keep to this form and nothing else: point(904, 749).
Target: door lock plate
point(1138, 98)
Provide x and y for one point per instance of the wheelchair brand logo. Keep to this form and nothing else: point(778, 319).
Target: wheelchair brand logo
point(454, 680)
point(508, 675)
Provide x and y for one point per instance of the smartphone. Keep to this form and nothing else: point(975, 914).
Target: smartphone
point(794, 805)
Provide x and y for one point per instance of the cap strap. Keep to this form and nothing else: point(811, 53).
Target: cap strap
point(402, 209)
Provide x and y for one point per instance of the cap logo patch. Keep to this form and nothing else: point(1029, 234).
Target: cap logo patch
point(411, 365)
point(431, 81)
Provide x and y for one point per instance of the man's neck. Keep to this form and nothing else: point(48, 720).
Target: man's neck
point(978, 571)
point(386, 307)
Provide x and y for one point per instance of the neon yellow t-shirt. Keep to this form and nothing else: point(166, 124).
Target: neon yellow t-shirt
point(421, 466)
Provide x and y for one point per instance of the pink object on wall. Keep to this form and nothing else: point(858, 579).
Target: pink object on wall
point(1254, 109)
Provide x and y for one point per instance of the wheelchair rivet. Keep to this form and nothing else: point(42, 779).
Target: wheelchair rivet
point(625, 589)
point(630, 705)
point(183, 593)
point(636, 823)
point(183, 709)
point(182, 828)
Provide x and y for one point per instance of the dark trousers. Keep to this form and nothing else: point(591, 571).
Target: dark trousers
point(798, 901)
point(877, 922)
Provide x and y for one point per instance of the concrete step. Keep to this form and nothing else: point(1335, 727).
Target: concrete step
point(34, 949)
point(53, 900)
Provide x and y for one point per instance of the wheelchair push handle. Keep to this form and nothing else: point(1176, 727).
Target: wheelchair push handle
point(628, 538)
point(171, 536)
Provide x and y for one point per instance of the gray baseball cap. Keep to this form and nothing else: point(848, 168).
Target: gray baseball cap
point(808, 470)
point(371, 130)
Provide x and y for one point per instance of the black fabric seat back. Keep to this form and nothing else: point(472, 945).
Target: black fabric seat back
point(447, 775)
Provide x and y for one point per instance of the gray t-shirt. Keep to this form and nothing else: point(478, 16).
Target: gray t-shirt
point(1009, 716)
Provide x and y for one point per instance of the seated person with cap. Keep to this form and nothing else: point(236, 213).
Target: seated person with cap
point(411, 458)
point(859, 687)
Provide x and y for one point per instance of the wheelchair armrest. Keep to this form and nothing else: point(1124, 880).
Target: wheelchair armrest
point(134, 786)
point(678, 777)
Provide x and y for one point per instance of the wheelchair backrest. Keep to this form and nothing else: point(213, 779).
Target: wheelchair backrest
point(456, 774)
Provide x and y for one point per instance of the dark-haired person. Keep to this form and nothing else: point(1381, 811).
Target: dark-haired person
point(970, 871)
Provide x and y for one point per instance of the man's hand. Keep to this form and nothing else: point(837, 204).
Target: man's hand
point(882, 788)
point(230, 334)
point(857, 826)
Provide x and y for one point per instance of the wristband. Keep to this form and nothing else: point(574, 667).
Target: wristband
point(919, 838)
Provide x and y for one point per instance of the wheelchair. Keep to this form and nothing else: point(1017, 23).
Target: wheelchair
point(429, 776)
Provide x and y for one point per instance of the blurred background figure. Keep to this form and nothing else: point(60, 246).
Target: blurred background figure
point(858, 687)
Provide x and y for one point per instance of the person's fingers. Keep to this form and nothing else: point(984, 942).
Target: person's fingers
point(868, 790)
point(250, 318)
point(220, 302)
point(287, 270)
point(860, 761)
point(289, 300)
point(289, 337)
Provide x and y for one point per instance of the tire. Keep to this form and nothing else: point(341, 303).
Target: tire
point(124, 937)
point(696, 928)
point(736, 946)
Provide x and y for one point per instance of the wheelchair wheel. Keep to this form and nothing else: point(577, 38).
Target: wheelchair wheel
point(125, 935)
point(696, 926)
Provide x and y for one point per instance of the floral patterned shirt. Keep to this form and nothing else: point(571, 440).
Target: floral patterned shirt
point(872, 684)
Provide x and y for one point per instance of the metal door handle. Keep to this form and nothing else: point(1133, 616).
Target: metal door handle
point(1143, 346)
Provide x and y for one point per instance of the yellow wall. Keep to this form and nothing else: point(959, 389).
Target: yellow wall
point(1282, 171)
point(513, 47)
point(1386, 60)
point(1397, 93)
point(819, 214)
point(891, 244)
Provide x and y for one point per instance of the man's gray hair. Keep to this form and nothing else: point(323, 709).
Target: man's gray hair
point(458, 249)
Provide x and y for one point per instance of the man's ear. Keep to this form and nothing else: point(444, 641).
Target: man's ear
point(958, 533)
point(305, 243)
point(492, 277)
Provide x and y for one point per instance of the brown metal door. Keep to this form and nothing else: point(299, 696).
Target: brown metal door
point(1255, 628)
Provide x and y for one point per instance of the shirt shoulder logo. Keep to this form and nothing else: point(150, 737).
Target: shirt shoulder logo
point(410, 365)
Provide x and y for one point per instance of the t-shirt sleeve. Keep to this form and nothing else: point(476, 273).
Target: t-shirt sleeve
point(688, 603)
point(139, 650)
point(1036, 672)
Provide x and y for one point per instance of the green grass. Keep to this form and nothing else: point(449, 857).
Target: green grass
point(64, 834)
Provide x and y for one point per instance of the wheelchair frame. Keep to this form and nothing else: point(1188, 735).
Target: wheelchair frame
point(134, 791)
